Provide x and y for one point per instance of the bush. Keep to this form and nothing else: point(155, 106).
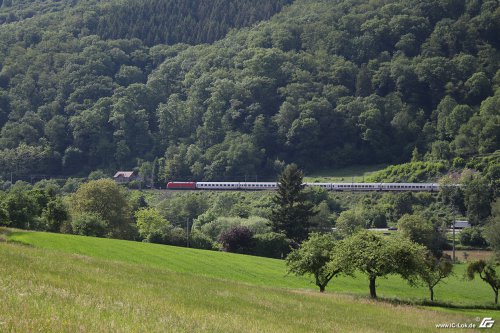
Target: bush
point(412, 172)
point(205, 218)
point(54, 215)
point(89, 224)
point(151, 225)
point(256, 224)
point(215, 228)
point(458, 162)
point(237, 239)
point(350, 221)
point(5, 186)
point(134, 185)
point(96, 175)
point(473, 237)
point(72, 184)
point(156, 236)
point(66, 228)
point(4, 217)
point(175, 236)
point(198, 240)
point(272, 245)
point(375, 217)
point(106, 198)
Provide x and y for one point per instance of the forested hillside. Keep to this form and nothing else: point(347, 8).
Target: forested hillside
point(179, 21)
point(322, 83)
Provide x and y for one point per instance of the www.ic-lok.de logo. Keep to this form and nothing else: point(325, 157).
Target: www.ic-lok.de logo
point(486, 323)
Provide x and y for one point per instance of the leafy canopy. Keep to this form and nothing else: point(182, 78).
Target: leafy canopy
point(313, 258)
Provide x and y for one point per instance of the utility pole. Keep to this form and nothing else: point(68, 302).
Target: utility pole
point(187, 231)
point(453, 240)
point(153, 174)
point(453, 218)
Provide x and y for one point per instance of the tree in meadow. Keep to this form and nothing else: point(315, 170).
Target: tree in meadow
point(313, 258)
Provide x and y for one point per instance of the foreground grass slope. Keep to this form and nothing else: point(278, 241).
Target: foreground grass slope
point(46, 290)
point(250, 269)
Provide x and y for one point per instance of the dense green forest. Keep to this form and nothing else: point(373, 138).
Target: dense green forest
point(322, 83)
point(179, 21)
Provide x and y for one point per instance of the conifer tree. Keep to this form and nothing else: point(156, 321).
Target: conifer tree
point(292, 212)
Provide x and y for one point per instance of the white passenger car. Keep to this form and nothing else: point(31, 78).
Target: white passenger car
point(218, 185)
point(258, 186)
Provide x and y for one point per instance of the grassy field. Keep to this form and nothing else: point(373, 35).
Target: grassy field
point(48, 291)
point(82, 284)
point(355, 173)
point(247, 269)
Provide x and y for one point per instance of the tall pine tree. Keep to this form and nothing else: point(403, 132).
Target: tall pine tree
point(292, 212)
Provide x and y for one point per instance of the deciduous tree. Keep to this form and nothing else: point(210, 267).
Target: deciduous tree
point(377, 256)
point(313, 258)
point(487, 271)
point(105, 198)
point(434, 270)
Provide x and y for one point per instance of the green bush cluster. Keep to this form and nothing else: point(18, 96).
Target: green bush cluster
point(414, 172)
point(473, 237)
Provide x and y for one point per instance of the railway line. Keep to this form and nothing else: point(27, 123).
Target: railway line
point(339, 187)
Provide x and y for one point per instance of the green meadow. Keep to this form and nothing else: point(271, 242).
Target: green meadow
point(355, 173)
point(65, 283)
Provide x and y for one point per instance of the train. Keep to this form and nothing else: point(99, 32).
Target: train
point(352, 187)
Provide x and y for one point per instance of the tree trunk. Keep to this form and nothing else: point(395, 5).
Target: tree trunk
point(432, 293)
point(373, 292)
point(496, 297)
point(321, 288)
